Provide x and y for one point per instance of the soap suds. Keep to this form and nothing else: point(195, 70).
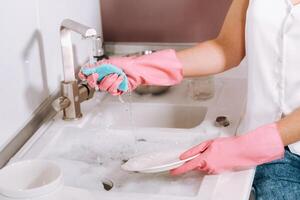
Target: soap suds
point(89, 156)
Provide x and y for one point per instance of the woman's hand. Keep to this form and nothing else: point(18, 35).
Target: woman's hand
point(234, 153)
point(161, 68)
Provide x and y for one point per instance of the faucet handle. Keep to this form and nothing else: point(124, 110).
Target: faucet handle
point(61, 103)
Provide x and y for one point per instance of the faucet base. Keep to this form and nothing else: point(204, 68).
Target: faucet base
point(70, 90)
point(72, 119)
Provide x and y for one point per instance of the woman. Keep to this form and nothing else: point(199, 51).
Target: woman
point(267, 33)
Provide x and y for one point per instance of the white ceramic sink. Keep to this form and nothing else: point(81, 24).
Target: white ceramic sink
point(137, 115)
point(89, 156)
point(91, 150)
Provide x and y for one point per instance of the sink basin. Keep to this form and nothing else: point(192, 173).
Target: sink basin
point(91, 150)
point(90, 158)
point(126, 115)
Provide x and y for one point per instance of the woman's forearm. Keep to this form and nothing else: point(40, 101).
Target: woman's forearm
point(289, 128)
point(222, 53)
point(210, 57)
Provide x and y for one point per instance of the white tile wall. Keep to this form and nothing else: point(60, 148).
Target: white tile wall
point(30, 56)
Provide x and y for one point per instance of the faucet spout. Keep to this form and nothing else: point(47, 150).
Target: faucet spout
point(78, 28)
point(66, 28)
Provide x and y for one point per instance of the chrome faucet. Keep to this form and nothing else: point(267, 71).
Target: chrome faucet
point(72, 93)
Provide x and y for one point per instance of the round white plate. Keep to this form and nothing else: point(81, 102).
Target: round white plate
point(155, 162)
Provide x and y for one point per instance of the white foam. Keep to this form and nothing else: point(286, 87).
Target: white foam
point(87, 157)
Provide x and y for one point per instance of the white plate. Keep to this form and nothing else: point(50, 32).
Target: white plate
point(155, 162)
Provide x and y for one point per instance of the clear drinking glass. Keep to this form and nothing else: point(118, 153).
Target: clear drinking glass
point(201, 88)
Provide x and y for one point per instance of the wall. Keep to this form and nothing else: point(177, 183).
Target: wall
point(30, 56)
point(166, 21)
point(162, 20)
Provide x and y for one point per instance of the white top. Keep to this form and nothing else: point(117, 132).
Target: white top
point(272, 54)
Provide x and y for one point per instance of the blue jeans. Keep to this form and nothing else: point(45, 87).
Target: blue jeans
point(279, 179)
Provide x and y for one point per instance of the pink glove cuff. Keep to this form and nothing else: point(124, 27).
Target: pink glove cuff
point(167, 71)
point(265, 143)
point(256, 147)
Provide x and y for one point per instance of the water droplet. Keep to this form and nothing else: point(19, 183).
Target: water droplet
point(121, 99)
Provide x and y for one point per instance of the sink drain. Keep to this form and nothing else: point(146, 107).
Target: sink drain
point(222, 121)
point(124, 161)
point(107, 184)
point(142, 140)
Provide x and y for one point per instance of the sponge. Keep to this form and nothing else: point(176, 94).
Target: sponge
point(107, 69)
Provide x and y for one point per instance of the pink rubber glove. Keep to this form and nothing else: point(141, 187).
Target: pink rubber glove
point(235, 153)
point(160, 68)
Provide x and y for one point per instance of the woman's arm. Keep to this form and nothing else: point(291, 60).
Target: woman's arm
point(289, 128)
point(222, 53)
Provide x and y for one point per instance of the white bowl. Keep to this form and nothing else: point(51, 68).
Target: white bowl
point(29, 179)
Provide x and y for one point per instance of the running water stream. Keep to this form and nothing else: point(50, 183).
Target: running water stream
point(92, 50)
point(128, 104)
point(129, 109)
